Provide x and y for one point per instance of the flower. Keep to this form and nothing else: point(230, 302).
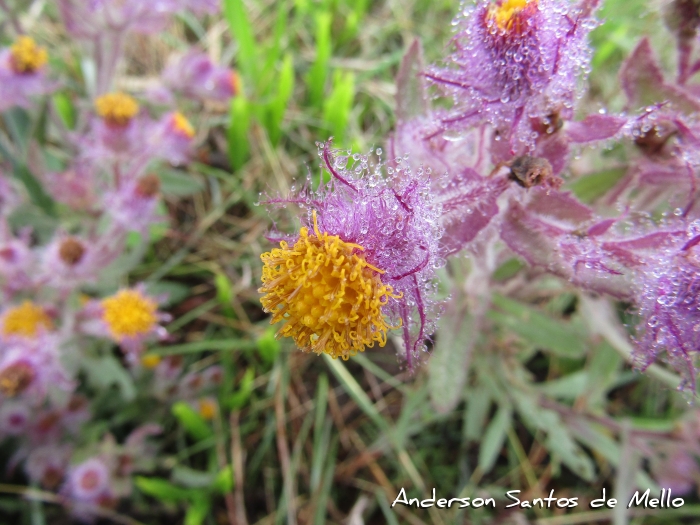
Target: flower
point(195, 75)
point(47, 465)
point(26, 320)
point(129, 314)
point(22, 74)
point(172, 138)
point(515, 62)
point(130, 317)
point(362, 263)
point(116, 109)
point(14, 418)
point(133, 206)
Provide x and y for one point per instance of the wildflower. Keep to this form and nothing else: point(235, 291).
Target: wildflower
point(14, 417)
point(133, 206)
point(17, 261)
point(207, 408)
point(26, 56)
point(68, 261)
point(172, 138)
point(29, 367)
point(195, 75)
point(515, 62)
point(129, 314)
point(89, 484)
point(361, 263)
point(129, 317)
point(22, 73)
point(116, 109)
point(150, 361)
point(47, 465)
point(26, 320)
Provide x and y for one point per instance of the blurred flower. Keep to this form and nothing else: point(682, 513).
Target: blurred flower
point(207, 407)
point(172, 138)
point(116, 109)
point(133, 206)
point(195, 75)
point(22, 73)
point(47, 465)
point(362, 263)
point(14, 418)
point(27, 320)
point(88, 485)
point(515, 61)
point(30, 368)
point(68, 261)
point(129, 317)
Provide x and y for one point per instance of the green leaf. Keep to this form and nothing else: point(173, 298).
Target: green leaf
point(178, 183)
point(268, 346)
point(224, 292)
point(103, 372)
point(239, 124)
point(35, 190)
point(478, 404)
point(239, 398)
point(65, 108)
point(494, 437)
point(560, 442)
point(174, 292)
point(590, 187)
point(161, 489)
point(449, 363)
point(223, 483)
point(191, 478)
point(191, 421)
point(198, 511)
point(563, 338)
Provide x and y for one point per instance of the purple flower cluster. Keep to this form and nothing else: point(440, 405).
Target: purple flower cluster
point(65, 304)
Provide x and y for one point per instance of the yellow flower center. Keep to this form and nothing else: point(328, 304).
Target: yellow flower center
point(129, 314)
point(329, 296)
point(505, 13)
point(182, 125)
point(150, 361)
point(116, 108)
point(26, 56)
point(207, 408)
point(26, 320)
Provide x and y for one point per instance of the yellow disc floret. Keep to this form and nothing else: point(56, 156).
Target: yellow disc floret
point(129, 314)
point(329, 296)
point(26, 56)
point(182, 125)
point(116, 108)
point(26, 320)
point(505, 13)
point(207, 408)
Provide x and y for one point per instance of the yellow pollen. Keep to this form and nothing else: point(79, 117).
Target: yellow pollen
point(328, 295)
point(116, 108)
point(129, 314)
point(182, 125)
point(150, 361)
point(26, 320)
point(506, 13)
point(16, 378)
point(26, 56)
point(207, 408)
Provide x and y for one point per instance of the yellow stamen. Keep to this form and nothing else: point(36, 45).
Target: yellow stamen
point(26, 56)
point(150, 361)
point(26, 320)
point(329, 296)
point(236, 84)
point(505, 13)
point(182, 125)
point(116, 108)
point(207, 408)
point(129, 314)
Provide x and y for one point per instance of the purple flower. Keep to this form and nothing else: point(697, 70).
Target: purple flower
point(47, 465)
point(88, 485)
point(22, 73)
point(363, 261)
point(515, 62)
point(133, 206)
point(669, 304)
point(195, 75)
point(14, 417)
